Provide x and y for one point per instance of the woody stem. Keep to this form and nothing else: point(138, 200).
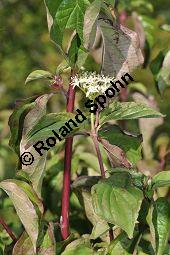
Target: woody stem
point(67, 169)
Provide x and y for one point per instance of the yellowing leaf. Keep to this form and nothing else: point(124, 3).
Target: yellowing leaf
point(23, 246)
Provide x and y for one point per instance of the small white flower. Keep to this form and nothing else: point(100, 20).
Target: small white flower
point(91, 83)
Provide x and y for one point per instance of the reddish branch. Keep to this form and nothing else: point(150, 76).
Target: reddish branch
point(8, 230)
point(67, 169)
point(95, 141)
point(96, 144)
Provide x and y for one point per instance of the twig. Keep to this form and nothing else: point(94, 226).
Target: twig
point(8, 230)
point(96, 144)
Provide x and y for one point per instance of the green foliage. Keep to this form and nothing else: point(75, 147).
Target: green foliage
point(48, 123)
point(38, 74)
point(129, 143)
point(64, 16)
point(120, 245)
point(83, 187)
point(162, 179)
point(159, 224)
point(128, 110)
point(160, 67)
point(112, 201)
point(116, 193)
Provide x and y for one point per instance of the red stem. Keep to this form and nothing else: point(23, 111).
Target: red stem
point(67, 169)
point(8, 230)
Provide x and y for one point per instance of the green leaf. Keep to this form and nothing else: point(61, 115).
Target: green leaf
point(79, 250)
point(129, 143)
point(24, 208)
point(162, 179)
point(66, 15)
point(73, 50)
point(163, 78)
point(90, 18)
point(113, 202)
point(127, 110)
point(82, 186)
point(137, 86)
point(16, 122)
point(60, 246)
point(161, 223)
point(36, 169)
point(166, 27)
point(79, 247)
point(120, 245)
point(121, 52)
point(38, 74)
point(51, 121)
point(23, 246)
point(82, 56)
point(157, 63)
point(48, 245)
point(149, 26)
point(160, 67)
point(126, 176)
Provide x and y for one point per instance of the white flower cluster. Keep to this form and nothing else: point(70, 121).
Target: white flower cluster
point(91, 83)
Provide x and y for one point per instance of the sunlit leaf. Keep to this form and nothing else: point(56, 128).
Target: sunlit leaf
point(166, 27)
point(162, 179)
point(79, 247)
point(38, 74)
point(66, 15)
